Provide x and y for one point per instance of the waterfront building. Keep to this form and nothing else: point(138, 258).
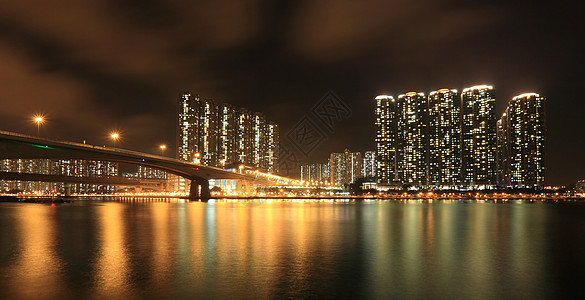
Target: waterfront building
point(447, 140)
point(31, 166)
point(412, 139)
point(345, 167)
point(521, 142)
point(386, 140)
point(84, 168)
point(478, 135)
point(369, 164)
point(580, 186)
point(227, 133)
point(244, 137)
point(502, 151)
point(66, 167)
point(326, 170)
point(208, 133)
point(272, 141)
point(444, 164)
point(402, 140)
point(258, 139)
point(315, 172)
point(223, 135)
point(187, 134)
point(151, 173)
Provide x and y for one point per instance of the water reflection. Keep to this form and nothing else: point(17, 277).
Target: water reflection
point(111, 268)
point(283, 249)
point(36, 263)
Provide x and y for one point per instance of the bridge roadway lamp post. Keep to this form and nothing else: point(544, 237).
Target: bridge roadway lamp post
point(162, 149)
point(38, 120)
point(115, 136)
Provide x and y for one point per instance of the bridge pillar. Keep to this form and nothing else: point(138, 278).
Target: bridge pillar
point(199, 190)
point(205, 193)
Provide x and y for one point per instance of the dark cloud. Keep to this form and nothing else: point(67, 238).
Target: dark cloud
point(95, 66)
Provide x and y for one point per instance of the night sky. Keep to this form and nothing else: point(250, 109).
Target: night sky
point(94, 66)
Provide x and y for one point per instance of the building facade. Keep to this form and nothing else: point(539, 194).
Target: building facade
point(478, 136)
point(413, 138)
point(369, 164)
point(445, 140)
point(66, 167)
point(223, 135)
point(315, 172)
point(521, 142)
point(345, 167)
point(444, 161)
point(386, 140)
point(187, 135)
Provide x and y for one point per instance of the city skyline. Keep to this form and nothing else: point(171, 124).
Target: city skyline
point(81, 69)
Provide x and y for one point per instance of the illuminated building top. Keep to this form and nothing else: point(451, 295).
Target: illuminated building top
point(478, 87)
point(525, 95)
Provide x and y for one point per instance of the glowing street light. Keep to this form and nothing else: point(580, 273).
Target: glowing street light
point(162, 149)
point(39, 120)
point(115, 136)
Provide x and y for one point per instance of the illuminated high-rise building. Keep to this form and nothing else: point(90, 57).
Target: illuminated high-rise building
point(272, 140)
point(369, 164)
point(402, 139)
point(315, 172)
point(222, 135)
point(227, 133)
point(521, 142)
point(444, 167)
point(244, 137)
point(502, 153)
point(387, 140)
point(258, 139)
point(412, 135)
point(208, 133)
point(187, 133)
point(478, 135)
point(345, 167)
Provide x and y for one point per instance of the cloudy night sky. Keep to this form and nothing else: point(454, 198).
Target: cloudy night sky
point(95, 66)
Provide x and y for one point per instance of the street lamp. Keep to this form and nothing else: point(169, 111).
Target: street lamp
point(115, 136)
point(39, 120)
point(162, 149)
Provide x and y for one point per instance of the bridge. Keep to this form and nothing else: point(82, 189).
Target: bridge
point(20, 146)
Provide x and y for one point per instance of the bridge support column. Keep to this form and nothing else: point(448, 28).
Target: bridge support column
point(199, 190)
point(205, 194)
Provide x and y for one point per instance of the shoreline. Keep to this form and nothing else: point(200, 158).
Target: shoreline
point(68, 199)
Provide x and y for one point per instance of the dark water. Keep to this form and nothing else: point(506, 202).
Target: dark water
point(280, 250)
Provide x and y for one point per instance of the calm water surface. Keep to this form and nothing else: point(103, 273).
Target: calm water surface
point(136, 249)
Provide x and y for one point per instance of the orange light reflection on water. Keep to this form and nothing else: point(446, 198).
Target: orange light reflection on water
point(38, 264)
point(111, 268)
